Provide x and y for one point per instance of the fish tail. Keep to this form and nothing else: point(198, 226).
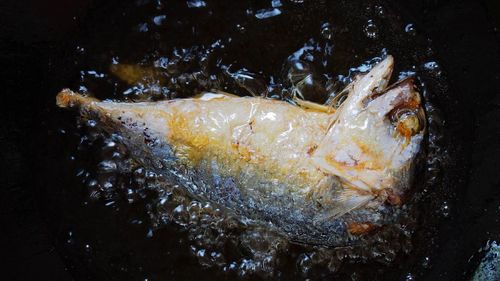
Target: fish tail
point(69, 99)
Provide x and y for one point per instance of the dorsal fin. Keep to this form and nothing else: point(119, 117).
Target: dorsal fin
point(215, 94)
point(309, 105)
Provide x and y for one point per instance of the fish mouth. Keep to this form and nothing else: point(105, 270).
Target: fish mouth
point(377, 79)
point(382, 73)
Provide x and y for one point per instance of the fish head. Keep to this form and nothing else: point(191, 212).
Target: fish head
point(373, 142)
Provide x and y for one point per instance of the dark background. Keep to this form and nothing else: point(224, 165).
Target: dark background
point(33, 36)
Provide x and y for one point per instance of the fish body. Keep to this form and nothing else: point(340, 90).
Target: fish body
point(320, 177)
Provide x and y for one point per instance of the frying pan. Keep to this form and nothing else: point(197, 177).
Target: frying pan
point(37, 49)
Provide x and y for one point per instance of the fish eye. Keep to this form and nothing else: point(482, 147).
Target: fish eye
point(407, 122)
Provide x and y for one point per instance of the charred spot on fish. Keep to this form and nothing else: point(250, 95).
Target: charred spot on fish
point(311, 149)
point(346, 160)
point(251, 125)
point(394, 199)
point(360, 228)
point(389, 196)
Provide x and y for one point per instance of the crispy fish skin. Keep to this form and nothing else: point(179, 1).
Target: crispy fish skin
point(319, 177)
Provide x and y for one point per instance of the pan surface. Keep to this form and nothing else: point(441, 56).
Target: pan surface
point(69, 204)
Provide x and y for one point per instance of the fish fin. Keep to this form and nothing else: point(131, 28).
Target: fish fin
point(337, 100)
point(338, 197)
point(215, 94)
point(348, 200)
point(314, 106)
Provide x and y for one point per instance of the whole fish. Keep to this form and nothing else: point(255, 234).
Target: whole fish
point(326, 177)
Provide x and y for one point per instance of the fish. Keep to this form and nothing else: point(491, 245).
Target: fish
point(318, 175)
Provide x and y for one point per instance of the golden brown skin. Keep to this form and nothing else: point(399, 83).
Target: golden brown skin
point(320, 177)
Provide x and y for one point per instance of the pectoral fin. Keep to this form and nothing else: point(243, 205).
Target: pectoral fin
point(347, 201)
point(338, 198)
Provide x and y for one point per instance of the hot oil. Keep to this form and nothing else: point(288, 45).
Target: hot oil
point(121, 221)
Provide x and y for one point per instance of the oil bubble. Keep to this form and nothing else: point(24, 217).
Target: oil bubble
point(426, 262)
point(180, 215)
point(107, 166)
point(433, 68)
point(298, 70)
point(93, 73)
point(371, 30)
point(267, 13)
point(240, 28)
point(107, 185)
point(196, 3)
point(251, 82)
point(143, 27)
point(109, 203)
point(92, 183)
point(379, 10)
point(276, 3)
point(409, 277)
point(70, 239)
point(80, 50)
point(327, 31)
point(82, 89)
point(161, 62)
point(158, 20)
point(404, 74)
point(109, 143)
point(230, 267)
point(304, 263)
point(87, 248)
point(410, 29)
point(247, 267)
point(445, 209)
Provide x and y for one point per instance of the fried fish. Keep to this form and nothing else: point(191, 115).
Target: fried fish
point(324, 177)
